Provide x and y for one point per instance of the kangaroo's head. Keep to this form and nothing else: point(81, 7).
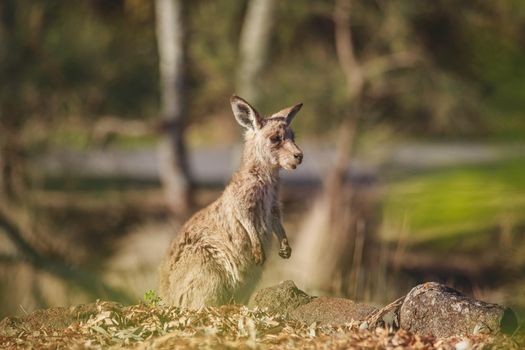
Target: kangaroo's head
point(269, 141)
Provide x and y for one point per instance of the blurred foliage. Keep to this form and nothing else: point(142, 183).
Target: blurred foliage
point(98, 58)
point(89, 59)
point(66, 65)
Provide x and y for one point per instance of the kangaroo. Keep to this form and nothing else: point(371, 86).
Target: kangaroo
point(217, 256)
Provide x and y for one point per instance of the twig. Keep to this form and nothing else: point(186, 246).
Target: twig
point(374, 319)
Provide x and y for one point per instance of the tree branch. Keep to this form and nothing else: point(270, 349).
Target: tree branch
point(384, 64)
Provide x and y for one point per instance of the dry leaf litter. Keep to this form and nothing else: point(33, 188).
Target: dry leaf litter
point(227, 327)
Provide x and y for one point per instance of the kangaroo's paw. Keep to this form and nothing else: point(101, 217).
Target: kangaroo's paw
point(258, 255)
point(285, 251)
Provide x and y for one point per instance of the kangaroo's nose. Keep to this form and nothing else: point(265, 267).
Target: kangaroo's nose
point(298, 156)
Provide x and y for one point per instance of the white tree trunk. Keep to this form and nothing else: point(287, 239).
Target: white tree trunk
point(254, 47)
point(173, 169)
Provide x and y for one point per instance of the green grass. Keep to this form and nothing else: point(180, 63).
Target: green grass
point(456, 202)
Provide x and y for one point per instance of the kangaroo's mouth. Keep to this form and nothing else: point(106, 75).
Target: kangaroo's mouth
point(290, 166)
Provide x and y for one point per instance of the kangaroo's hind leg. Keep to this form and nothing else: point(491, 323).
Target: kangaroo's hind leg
point(196, 281)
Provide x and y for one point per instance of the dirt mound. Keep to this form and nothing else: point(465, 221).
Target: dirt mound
point(280, 299)
point(327, 310)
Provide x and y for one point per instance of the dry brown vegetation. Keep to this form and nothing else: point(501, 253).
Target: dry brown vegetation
point(110, 325)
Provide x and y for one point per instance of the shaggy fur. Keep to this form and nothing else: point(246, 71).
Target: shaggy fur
point(218, 254)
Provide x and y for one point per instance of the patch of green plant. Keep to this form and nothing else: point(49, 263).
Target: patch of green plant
point(151, 298)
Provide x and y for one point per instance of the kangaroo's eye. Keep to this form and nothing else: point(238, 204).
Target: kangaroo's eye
point(275, 139)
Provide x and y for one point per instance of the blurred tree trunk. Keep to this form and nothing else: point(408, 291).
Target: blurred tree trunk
point(12, 172)
point(173, 162)
point(353, 72)
point(4, 163)
point(254, 47)
point(339, 232)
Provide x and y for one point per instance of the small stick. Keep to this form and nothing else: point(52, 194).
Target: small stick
point(375, 317)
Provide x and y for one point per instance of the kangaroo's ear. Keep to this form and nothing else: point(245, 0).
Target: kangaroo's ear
point(245, 114)
point(289, 113)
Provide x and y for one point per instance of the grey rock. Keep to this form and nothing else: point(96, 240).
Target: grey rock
point(281, 299)
point(435, 309)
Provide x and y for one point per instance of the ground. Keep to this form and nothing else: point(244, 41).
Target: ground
point(149, 326)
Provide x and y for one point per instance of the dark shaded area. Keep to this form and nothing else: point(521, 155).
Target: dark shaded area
point(83, 280)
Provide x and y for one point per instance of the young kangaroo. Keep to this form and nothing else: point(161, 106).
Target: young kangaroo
point(217, 256)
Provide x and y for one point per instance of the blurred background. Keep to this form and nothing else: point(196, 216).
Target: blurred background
point(115, 126)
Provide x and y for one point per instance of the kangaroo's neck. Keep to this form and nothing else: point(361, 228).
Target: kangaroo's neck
point(255, 181)
point(260, 174)
point(254, 190)
point(258, 162)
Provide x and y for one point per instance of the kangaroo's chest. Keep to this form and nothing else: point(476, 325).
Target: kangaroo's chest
point(252, 202)
point(265, 208)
